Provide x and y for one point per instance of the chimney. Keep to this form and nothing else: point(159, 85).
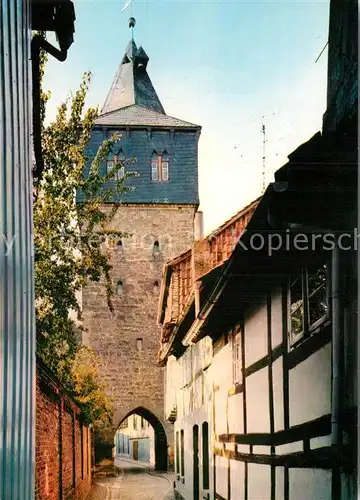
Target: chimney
point(199, 226)
point(201, 250)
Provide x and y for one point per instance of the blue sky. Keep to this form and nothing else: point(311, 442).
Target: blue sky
point(221, 64)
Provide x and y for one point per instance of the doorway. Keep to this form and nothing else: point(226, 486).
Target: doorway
point(196, 461)
point(160, 446)
point(135, 450)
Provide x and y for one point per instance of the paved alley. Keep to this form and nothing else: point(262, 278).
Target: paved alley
point(133, 482)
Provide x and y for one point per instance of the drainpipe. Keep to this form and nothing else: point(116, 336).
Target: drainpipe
point(39, 43)
point(337, 348)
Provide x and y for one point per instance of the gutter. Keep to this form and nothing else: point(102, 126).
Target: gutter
point(208, 305)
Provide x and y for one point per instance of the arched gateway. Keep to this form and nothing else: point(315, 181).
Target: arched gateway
point(160, 441)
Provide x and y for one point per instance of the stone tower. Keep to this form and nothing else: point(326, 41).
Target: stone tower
point(158, 217)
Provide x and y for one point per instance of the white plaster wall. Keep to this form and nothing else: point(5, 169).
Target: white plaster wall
point(237, 480)
point(278, 393)
point(276, 317)
point(204, 414)
point(316, 483)
point(320, 442)
point(310, 387)
point(208, 385)
point(221, 476)
point(197, 357)
point(221, 367)
point(172, 384)
point(259, 482)
point(221, 371)
point(279, 483)
point(262, 449)
point(256, 333)
point(257, 402)
point(235, 413)
point(287, 448)
point(186, 366)
point(221, 401)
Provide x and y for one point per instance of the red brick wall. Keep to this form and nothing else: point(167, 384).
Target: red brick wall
point(204, 256)
point(63, 443)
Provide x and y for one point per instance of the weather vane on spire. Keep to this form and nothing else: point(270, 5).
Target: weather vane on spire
point(132, 23)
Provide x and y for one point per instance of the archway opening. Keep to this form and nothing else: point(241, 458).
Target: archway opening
point(141, 437)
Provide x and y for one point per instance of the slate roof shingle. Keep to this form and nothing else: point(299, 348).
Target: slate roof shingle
point(135, 115)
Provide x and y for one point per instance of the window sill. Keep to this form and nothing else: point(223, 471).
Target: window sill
point(316, 329)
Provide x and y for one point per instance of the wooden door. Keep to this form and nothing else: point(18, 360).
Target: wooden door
point(135, 450)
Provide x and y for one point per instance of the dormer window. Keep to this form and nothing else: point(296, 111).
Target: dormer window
point(160, 167)
point(114, 160)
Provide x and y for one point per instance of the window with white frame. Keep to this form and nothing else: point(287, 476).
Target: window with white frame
point(160, 167)
point(236, 356)
point(308, 301)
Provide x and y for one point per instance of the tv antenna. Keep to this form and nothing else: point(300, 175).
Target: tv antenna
point(263, 131)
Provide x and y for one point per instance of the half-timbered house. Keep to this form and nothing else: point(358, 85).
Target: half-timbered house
point(260, 353)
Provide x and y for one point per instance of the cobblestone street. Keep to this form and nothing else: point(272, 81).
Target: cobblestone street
point(133, 482)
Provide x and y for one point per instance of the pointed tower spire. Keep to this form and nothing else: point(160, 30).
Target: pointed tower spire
point(132, 84)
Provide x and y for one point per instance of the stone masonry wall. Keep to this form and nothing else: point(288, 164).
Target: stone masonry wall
point(128, 364)
point(63, 444)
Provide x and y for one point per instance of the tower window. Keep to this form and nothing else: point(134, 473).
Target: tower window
point(160, 167)
point(119, 287)
point(156, 246)
point(155, 286)
point(110, 164)
point(139, 344)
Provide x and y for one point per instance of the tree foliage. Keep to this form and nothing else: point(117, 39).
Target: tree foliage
point(69, 242)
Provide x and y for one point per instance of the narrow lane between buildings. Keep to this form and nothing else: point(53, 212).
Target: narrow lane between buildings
point(133, 481)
